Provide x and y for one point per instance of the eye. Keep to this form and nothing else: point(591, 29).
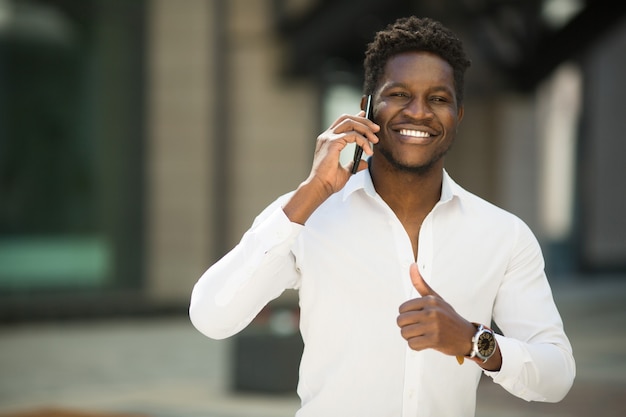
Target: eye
point(439, 99)
point(402, 94)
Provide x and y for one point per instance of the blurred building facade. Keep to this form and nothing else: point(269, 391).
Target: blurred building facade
point(138, 139)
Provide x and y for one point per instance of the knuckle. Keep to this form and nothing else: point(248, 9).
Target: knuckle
point(430, 299)
point(431, 314)
point(345, 119)
point(405, 333)
point(413, 344)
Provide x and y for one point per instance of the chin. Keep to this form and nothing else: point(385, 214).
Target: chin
point(408, 166)
point(415, 168)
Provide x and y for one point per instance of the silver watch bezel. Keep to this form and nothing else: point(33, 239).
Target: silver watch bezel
point(479, 332)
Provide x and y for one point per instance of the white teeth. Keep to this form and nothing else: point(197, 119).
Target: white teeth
point(414, 133)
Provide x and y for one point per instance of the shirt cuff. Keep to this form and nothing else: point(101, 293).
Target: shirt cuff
point(514, 358)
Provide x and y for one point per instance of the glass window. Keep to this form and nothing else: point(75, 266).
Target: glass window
point(71, 97)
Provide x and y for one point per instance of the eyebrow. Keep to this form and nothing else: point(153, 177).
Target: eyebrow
point(393, 85)
point(404, 85)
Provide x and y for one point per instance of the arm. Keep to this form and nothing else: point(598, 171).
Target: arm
point(327, 175)
point(537, 360)
point(533, 359)
point(233, 291)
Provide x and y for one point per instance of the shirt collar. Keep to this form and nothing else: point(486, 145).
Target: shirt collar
point(363, 180)
point(449, 188)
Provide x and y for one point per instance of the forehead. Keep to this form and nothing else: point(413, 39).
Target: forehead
point(418, 67)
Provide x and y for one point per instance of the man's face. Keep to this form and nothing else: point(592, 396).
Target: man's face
point(417, 111)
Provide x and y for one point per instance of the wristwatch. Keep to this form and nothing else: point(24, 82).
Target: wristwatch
point(483, 343)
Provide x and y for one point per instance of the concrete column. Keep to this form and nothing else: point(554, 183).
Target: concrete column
point(179, 120)
point(273, 119)
point(518, 159)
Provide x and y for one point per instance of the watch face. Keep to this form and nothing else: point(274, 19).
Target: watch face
point(486, 344)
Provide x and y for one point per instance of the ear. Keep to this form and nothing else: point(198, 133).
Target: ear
point(363, 102)
point(460, 113)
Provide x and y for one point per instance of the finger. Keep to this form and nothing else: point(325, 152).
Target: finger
point(365, 127)
point(360, 116)
point(362, 165)
point(418, 282)
point(411, 315)
point(339, 120)
point(359, 138)
point(365, 140)
point(413, 331)
point(368, 122)
point(368, 146)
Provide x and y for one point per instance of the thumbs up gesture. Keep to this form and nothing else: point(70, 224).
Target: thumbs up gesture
point(429, 322)
point(419, 284)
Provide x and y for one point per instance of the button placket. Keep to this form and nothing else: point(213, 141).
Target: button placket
point(425, 253)
point(410, 400)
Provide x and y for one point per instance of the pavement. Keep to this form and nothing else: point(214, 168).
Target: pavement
point(162, 367)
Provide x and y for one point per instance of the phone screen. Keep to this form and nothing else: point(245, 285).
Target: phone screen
point(358, 151)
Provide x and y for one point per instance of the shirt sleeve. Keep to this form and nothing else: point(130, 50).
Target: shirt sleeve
point(234, 290)
point(537, 360)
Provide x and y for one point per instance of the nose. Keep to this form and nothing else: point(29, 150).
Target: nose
point(419, 108)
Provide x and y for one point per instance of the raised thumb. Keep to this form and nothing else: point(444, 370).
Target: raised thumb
point(418, 282)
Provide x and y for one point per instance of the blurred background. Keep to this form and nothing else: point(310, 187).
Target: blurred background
point(139, 139)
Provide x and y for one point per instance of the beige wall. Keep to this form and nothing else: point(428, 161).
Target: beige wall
point(495, 154)
point(273, 120)
point(271, 132)
point(179, 107)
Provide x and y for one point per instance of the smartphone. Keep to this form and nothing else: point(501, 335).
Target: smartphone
point(358, 151)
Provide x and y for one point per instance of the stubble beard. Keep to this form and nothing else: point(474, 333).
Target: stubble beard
point(416, 169)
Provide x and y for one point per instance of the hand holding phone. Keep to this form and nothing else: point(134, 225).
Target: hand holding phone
point(358, 151)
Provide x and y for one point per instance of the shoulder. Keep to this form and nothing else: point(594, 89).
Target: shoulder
point(489, 216)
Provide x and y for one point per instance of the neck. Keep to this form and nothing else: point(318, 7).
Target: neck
point(411, 195)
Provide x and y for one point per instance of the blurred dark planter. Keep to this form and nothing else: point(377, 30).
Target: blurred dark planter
point(266, 361)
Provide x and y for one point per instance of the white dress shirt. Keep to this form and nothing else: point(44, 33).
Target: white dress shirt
point(350, 264)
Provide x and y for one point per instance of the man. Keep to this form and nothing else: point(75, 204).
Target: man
point(400, 271)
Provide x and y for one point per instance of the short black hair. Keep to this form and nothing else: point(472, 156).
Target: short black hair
point(415, 34)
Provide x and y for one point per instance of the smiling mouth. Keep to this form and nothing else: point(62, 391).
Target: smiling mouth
point(414, 133)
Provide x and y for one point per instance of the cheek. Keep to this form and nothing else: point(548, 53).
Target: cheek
point(380, 115)
point(450, 120)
